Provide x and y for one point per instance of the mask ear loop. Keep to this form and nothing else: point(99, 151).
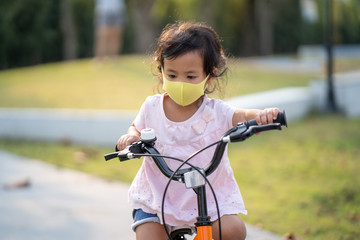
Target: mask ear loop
point(212, 75)
point(206, 84)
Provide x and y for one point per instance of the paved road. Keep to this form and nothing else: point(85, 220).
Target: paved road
point(54, 203)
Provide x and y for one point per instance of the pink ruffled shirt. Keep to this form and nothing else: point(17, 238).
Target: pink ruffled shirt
point(181, 139)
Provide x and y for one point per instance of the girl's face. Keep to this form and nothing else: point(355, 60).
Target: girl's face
point(188, 67)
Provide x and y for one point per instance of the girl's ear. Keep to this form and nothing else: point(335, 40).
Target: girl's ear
point(212, 77)
point(210, 80)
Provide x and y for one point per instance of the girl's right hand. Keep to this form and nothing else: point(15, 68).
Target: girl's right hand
point(126, 140)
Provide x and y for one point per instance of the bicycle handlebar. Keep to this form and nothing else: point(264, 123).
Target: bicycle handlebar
point(145, 147)
point(281, 118)
point(241, 132)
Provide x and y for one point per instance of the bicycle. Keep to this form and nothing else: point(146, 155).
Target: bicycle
point(193, 177)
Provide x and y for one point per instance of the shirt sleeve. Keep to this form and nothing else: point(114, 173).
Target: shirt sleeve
point(228, 113)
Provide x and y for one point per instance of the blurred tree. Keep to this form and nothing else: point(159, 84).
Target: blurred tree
point(29, 32)
point(84, 20)
point(207, 11)
point(33, 31)
point(145, 30)
point(258, 28)
point(287, 25)
point(68, 29)
point(249, 31)
point(247, 26)
point(264, 15)
point(347, 21)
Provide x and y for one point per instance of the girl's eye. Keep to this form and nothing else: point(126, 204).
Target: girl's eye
point(171, 76)
point(191, 77)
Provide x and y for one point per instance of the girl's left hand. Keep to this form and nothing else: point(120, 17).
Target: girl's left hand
point(266, 116)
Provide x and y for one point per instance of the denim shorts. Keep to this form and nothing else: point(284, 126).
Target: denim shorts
point(141, 217)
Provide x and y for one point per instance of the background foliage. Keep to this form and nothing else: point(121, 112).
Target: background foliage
point(31, 31)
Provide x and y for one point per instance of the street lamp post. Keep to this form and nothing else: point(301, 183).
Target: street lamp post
point(331, 102)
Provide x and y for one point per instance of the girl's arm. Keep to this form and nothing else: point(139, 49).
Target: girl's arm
point(261, 116)
point(133, 135)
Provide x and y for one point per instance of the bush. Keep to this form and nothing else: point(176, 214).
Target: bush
point(29, 32)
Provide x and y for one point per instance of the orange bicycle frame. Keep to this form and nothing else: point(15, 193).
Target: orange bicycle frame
point(203, 233)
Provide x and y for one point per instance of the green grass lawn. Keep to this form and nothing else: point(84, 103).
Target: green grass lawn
point(121, 84)
point(125, 83)
point(303, 180)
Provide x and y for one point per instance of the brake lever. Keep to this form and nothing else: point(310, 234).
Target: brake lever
point(128, 152)
point(241, 132)
point(123, 154)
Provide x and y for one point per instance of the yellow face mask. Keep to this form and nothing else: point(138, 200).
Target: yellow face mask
point(183, 93)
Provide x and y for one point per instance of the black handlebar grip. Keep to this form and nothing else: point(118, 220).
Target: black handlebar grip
point(281, 118)
point(110, 156)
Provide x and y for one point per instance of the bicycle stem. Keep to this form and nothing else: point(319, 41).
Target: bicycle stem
point(203, 223)
point(203, 219)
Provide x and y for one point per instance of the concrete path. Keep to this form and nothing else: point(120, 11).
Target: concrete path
point(52, 203)
point(60, 203)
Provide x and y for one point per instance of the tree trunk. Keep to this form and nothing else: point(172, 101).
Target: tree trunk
point(208, 12)
point(144, 26)
point(263, 14)
point(250, 37)
point(68, 30)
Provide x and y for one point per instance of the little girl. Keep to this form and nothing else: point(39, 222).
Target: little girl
point(190, 63)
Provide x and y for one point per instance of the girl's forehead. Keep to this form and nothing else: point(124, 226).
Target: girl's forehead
point(190, 60)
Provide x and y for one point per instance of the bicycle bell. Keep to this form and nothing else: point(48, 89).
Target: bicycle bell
point(148, 135)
